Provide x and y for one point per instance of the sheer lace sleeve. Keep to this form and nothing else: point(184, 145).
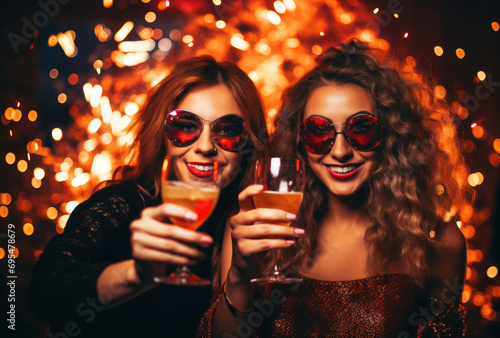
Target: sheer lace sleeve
point(95, 236)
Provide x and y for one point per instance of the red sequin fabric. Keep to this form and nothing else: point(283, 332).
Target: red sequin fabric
point(381, 306)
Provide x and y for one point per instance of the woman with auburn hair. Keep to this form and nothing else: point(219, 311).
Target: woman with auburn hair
point(375, 241)
point(96, 278)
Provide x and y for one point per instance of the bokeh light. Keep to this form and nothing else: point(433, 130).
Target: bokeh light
point(438, 50)
point(22, 166)
point(496, 145)
point(492, 272)
point(10, 158)
point(57, 134)
point(28, 229)
point(4, 211)
point(494, 159)
point(61, 98)
point(54, 73)
point(440, 92)
point(150, 17)
point(32, 115)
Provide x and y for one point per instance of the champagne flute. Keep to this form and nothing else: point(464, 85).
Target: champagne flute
point(199, 196)
point(283, 181)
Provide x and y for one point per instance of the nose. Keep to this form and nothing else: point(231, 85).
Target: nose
point(205, 144)
point(341, 150)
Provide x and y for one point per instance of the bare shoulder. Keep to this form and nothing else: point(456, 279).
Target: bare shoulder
point(448, 261)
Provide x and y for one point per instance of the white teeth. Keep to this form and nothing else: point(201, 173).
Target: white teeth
point(342, 170)
point(202, 167)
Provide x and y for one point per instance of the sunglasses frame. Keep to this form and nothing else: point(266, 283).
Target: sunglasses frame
point(246, 134)
point(343, 131)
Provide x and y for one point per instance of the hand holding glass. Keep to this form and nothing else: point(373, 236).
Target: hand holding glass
point(200, 197)
point(283, 181)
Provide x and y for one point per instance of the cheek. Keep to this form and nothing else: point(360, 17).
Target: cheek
point(314, 159)
point(176, 151)
point(233, 161)
point(371, 160)
point(314, 164)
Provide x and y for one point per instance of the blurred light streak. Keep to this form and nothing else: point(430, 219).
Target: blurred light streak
point(94, 126)
point(80, 180)
point(102, 166)
point(87, 91)
point(273, 18)
point(95, 96)
point(290, 5)
point(133, 59)
point(61, 176)
point(105, 109)
point(137, 46)
point(279, 7)
point(239, 43)
point(67, 44)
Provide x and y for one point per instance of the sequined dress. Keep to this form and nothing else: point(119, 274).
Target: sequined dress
point(381, 306)
point(63, 287)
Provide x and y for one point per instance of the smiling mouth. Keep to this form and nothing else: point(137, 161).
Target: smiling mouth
point(343, 169)
point(201, 167)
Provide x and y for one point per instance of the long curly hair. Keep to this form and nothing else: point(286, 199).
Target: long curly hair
point(421, 177)
point(148, 148)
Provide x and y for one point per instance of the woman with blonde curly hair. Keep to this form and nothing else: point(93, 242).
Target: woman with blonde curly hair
point(375, 240)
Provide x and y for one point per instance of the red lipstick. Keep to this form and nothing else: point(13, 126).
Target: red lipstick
point(346, 175)
point(201, 169)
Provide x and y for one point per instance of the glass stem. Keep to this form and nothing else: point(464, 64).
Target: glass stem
point(276, 269)
point(183, 272)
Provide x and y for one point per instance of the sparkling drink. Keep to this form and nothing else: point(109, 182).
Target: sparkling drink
point(283, 182)
point(287, 201)
point(197, 197)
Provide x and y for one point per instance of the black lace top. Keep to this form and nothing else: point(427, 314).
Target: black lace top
point(63, 288)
